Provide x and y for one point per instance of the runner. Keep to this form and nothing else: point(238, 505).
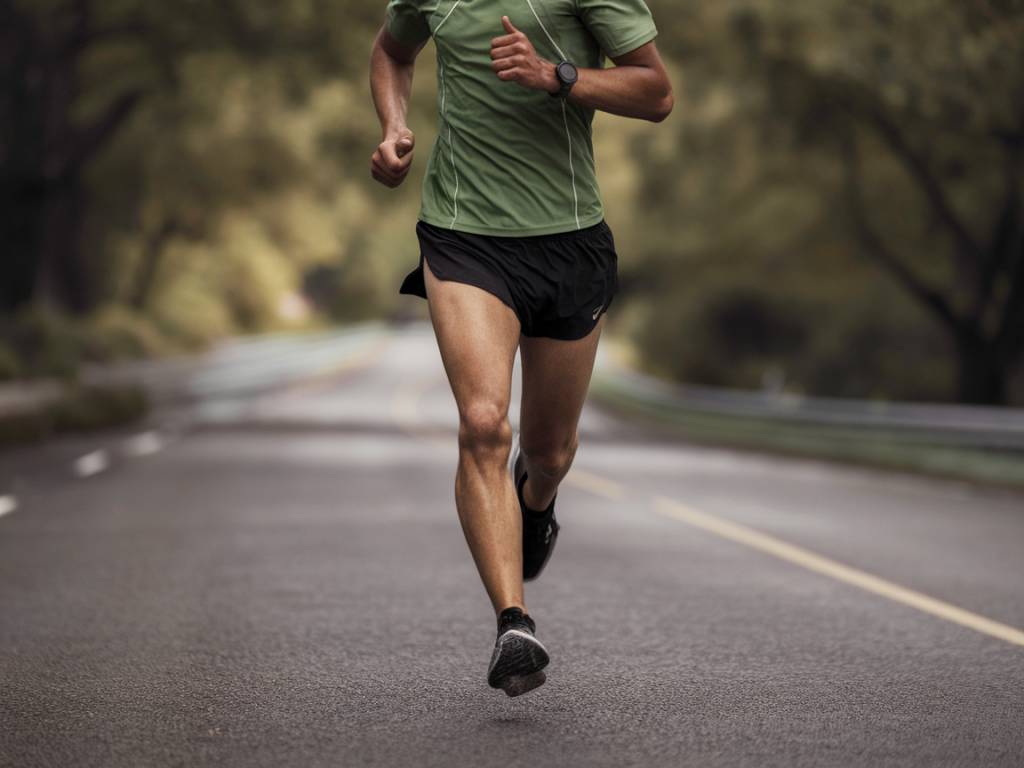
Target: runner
point(514, 250)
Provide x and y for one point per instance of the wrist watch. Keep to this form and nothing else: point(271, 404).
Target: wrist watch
point(567, 75)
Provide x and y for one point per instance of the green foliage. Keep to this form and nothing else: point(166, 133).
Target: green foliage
point(861, 163)
point(45, 342)
point(88, 408)
point(736, 336)
point(10, 366)
point(79, 409)
point(118, 333)
point(40, 342)
point(188, 312)
point(230, 172)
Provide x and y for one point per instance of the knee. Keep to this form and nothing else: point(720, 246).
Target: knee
point(484, 431)
point(552, 458)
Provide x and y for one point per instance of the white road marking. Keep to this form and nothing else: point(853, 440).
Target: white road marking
point(144, 444)
point(804, 558)
point(91, 463)
point(7, 505)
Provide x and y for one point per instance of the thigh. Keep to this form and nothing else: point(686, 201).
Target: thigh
point(556, 376)
point(477, 335)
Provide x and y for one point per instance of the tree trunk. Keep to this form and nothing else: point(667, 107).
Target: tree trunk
point(62, 279)
point(20, 246)
point(981, 374)
point(151, 258)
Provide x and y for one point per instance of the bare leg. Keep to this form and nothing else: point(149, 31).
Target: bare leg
point(556, 376)
point(477, 335)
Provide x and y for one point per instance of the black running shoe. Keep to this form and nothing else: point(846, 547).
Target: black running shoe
point(540, 529)
point(519, 658)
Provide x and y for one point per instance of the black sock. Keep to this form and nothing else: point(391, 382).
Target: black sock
point(532, 512)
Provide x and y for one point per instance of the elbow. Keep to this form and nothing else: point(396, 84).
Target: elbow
point(662, 109)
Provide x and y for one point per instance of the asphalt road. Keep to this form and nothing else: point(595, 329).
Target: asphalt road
point(280, 580)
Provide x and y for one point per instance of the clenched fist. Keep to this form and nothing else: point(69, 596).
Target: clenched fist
point(391, 162)
point(516, 60)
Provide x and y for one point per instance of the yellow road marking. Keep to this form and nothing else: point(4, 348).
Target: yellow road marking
point(405, 405)
point(405, 410)
point(791, 553)
point(595, 484)
point(362, 358)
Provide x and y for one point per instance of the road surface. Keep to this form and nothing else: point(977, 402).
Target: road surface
point(280, 580)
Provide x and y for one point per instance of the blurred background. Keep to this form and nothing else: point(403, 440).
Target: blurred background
point(833, 209)
point(240, 547)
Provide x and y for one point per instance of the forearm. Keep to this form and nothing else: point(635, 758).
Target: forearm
point(391, 68)
point(391, 86)
point(629, 91)
point(637, 86)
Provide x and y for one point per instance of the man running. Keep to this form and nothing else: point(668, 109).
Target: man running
point(514, 250)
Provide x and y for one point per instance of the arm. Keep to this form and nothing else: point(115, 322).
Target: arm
point(391, 70)
point(638, 86)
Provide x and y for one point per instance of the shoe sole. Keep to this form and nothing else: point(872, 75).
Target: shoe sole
point(518, 663)
point(517, 686)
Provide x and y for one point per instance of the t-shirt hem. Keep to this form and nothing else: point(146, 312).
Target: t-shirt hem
point(548, 229)
point(633, 43)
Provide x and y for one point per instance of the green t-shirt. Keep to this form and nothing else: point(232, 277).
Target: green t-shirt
point(510, 160)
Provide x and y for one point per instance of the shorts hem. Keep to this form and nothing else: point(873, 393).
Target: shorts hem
point(468, 280)
point(548, 229)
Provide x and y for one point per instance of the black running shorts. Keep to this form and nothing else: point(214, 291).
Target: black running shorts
point(558, 285)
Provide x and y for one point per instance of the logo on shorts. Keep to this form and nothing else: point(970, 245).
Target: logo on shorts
point(597, 312)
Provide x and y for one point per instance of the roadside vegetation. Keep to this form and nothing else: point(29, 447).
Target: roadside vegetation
point(834, 208)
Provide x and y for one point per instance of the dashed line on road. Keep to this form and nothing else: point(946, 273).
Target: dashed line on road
point(144, 443)
point(811, 561)
point(91, 463)
point(7, 505)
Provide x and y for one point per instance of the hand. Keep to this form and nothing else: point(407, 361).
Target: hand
point(515, 60)
point(391, 162)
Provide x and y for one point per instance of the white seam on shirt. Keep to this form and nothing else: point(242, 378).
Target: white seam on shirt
point(455, 199)
point(440, 65)
point(451, 143)
point(550, 38)
point(444, 116)
point(565, 119)
point(572, 171)
point(438, 27)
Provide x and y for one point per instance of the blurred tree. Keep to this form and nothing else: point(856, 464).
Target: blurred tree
point(835, 203)
point(954, 126)
point(890, 129)
point(72, 75)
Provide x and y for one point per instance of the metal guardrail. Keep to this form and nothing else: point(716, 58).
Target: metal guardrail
point(950, 425)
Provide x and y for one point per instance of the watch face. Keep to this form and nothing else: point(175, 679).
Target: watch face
point(567, 73)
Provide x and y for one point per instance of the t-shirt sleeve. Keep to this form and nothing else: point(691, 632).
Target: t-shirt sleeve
point(619, 26)
point(407, 23)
